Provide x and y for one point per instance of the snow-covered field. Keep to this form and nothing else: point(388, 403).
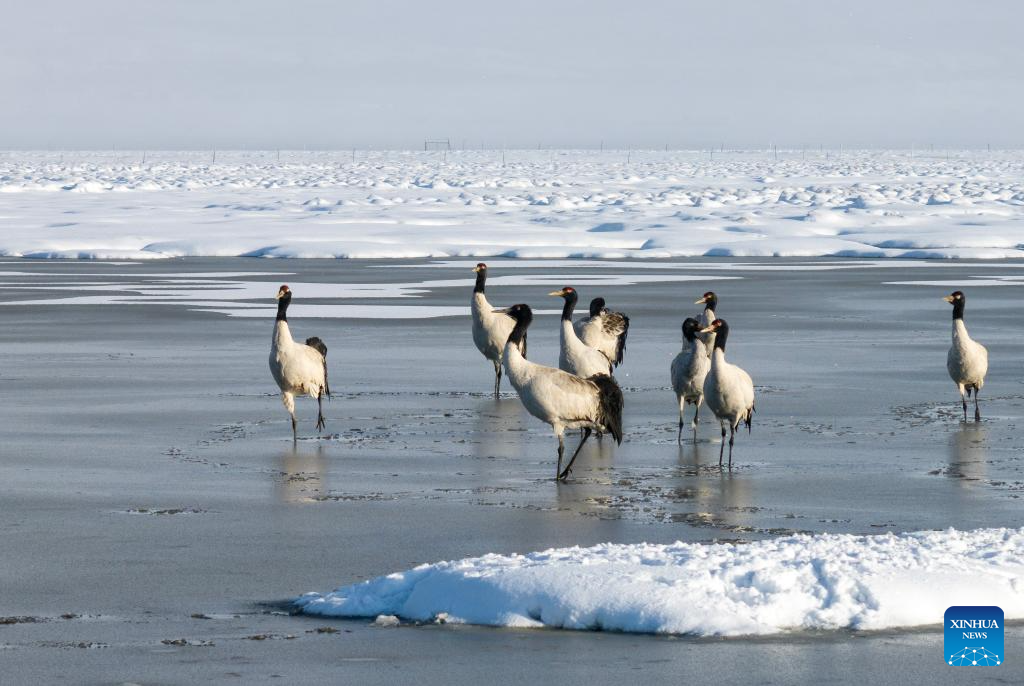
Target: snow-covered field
point(826, 581)
point(534, 204)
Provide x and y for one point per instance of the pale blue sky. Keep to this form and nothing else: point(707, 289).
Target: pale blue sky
point(258, 73)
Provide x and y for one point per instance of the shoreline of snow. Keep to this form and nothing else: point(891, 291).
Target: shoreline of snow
point(540, 204)
point(277, 252)
point(801, 582)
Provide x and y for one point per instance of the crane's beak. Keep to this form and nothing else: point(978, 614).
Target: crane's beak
point(280, 294)
point(948, 299)
point(558, 293)
point(701, 301)
point(476, 269)
point(707, 329)
point(502, 311)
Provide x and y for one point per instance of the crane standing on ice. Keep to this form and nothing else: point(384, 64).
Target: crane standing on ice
point(563, 400)
point(728, 390)
point(491, 328)
point(710, 301)
point(298, 368)
point(575, 356)
point(967, 360)
point(689, 369)
point(604, 330)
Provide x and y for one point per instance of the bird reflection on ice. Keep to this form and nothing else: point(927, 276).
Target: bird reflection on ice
point(303, 475)
point(968, 452)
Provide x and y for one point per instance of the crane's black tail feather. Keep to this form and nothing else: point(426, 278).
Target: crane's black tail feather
point(620, 348)
point(610, 402)
point(321, 347)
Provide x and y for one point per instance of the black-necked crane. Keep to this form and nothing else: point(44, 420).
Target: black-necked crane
point(728, 390)
point(298, 368)
point(491, 327)
point(575, 356)
point(967, 360)
point(710, 301)
point(563, 400)
point(604, 330)
point(689, 369)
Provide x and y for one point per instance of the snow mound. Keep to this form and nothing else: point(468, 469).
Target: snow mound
point(823, 582)
point(401, 204)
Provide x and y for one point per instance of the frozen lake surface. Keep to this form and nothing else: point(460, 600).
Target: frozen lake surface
point(517, 203)
point(158, 519)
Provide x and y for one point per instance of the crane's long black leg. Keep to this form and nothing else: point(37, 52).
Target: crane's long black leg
point(682, 406)
point(568, 467)
point(289, 404)
point(964, 401)
point(497, 380)
point(696, 420)
point(561, 451)
point(732, 438)
point(321, 424)
point(977, 411)
point(721, 450)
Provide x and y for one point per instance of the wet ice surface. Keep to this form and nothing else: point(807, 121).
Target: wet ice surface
point(149, 474)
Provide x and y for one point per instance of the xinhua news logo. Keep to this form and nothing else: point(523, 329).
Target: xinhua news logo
point(973, 636)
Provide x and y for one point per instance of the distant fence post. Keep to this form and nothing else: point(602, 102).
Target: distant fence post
point(437, 144)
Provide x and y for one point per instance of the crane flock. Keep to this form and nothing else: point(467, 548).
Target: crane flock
point(582, 392)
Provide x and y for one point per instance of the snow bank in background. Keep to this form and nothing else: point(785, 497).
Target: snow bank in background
point(825, 581)
point(539, 204)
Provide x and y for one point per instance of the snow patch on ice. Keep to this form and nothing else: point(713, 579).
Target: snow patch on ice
point(826, 581)
point(223, 293)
